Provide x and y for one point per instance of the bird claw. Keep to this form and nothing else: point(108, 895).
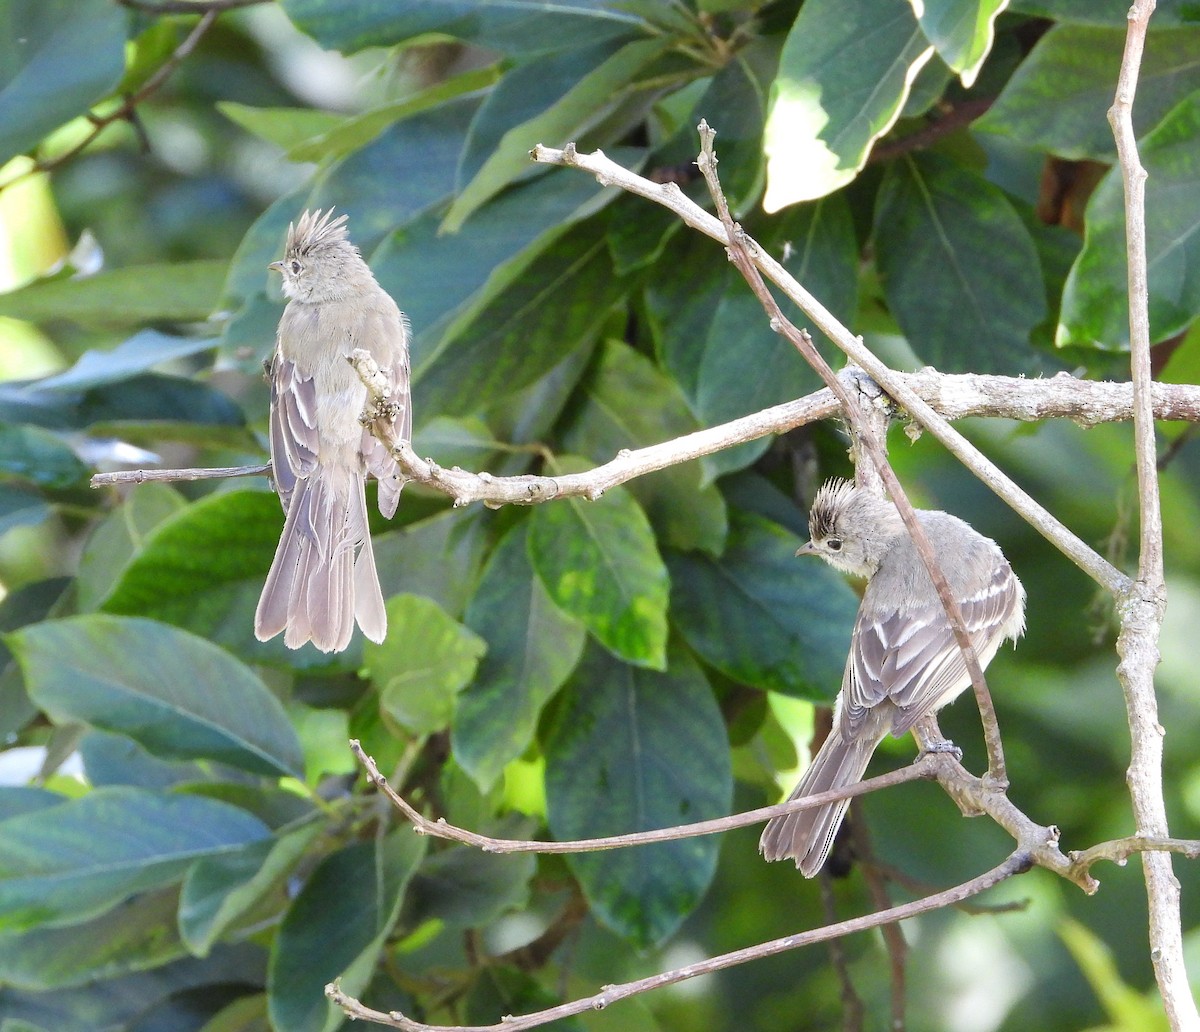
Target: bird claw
point(936, 746)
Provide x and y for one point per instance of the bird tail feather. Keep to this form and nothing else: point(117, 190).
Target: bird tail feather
point(807, 835)
point(315, 589)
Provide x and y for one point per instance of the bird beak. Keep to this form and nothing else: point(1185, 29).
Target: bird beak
point(277, 266)
point(806, 549)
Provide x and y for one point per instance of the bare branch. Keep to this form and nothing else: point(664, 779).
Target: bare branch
point(1015, 864)
point(609, 173)
point(954, 395)
point(1144, 606)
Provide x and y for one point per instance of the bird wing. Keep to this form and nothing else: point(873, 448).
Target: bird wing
point(911, 659)
point(293, 426)
point(388, 343)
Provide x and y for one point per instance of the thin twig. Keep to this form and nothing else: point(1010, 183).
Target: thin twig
point(971, 794)
point(142, 476)
point(1017, 863)
point(127, 109)
point(188, 6)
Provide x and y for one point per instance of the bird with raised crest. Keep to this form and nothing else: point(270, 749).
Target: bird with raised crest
point(323, 577)
point(905, 662)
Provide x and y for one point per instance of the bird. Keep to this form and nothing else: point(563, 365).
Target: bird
point(905, 662)
point(323, 577)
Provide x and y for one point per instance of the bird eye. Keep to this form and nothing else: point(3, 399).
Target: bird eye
point(295, 267)
point(833, 544)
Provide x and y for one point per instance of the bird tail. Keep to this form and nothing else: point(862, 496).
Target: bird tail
point(807, 835)
point(316, 589)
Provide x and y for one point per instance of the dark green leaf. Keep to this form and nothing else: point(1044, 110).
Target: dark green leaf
point(57, 58)
point(203, 570)
point(510, 990)
point(599, 563)
point(139, 354)
point(336, 927)
point(18, 799)
point(1104, 12)
point(20, 508)
point(466, 442)
point(120, 537)
point(630, 404)
point(40, 457)
point(1059, 97)
point(557, 305)
point(464, 888)
point(112, 759)
point(760, 615)
point(418, 687)
point(137, 935)
point(72, 862)
point(175, 292)
point(845, 72)
point(575, 103)
point(531, 648)
point(178, 695)
point(349, 134)
point(716, 340)
point(960, 271)
point(220, 889)
point(631, 750)
point(438, 558)
point(1095, 300)
point(515, 27)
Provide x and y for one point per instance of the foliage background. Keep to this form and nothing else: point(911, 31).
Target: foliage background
point(184, 840)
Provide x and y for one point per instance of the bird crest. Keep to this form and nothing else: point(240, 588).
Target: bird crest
point(315, 231)
point(827, 507)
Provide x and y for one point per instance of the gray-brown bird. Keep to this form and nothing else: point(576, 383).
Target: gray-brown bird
point(323, 577)
point(904, 661)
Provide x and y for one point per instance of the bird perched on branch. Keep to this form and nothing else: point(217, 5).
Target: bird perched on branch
point(904, 661)
point(323, 577)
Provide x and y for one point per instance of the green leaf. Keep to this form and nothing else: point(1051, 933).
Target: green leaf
point(203, 570)
point(57, 58)
point(349, 134)
point(121, 536)
point(466, 442)
point(843, 78)
point(531, 648)
point(599, 563)
point(1095, 308)
point(1058, 99)
point(512, 990)
point(630, 404)
point(137, 936)
point(336, 928)
point(174, 292)
point(139, 354)
point(960, 271)
point(418, 687)
point(713, 335)
point(962, 32)
point(1103, 12)
point(515, 27)
point(40, 457)
point(221, 889)
point(20, 508)
point(72, 862)
point(760, 615)
point(19, 799)
point(285, 127)
point(178, 695)
point(557, 305)
point(652, 746)
point(438, 558)
point(462, 887)
point(562, 121)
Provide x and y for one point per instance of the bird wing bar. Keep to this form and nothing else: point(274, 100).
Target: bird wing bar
point(912, 658)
